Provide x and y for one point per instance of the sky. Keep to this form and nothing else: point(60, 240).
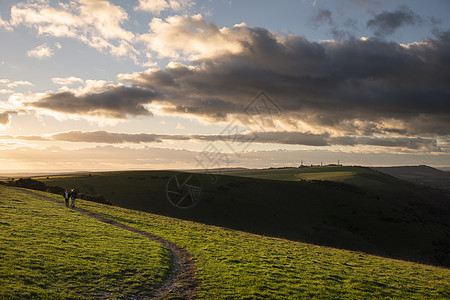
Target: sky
point(89, 85)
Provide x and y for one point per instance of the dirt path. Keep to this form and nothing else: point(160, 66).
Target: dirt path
point(181, 281)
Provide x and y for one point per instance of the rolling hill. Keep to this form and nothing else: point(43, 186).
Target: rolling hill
point(229, 264)
point(345, 207)
point(423, 175)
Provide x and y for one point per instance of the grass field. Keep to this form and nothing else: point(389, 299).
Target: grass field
point(346, 174)
point(354, 209)
point(237, 265)
point(48, 251)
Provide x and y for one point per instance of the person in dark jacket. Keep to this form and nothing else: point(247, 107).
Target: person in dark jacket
point(66, 197)
point(73, 197)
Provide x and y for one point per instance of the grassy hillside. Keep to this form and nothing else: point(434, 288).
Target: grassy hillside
point(423, 175)
point(51, 252)
point(356, 208)
point(237, 265)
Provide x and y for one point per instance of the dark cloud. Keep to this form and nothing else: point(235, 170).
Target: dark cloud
point(279, 137)
point(351, 85)
point(321, 16)
point(401, 142)
point(104, 137)
point(5, 118)
point(112, 137)
point(386, 23)
point(293, 138)
point(338, 31)
point(112, 102)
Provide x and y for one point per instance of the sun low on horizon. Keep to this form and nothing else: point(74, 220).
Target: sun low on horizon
point(180, 84)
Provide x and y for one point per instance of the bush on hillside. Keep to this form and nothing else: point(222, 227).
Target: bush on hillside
point(33, 184)
point(29, 184)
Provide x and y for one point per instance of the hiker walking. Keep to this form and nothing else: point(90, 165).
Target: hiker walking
point(73, 197)
point(66, 197)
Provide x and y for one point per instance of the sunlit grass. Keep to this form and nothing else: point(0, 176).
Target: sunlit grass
point(232, 264)
point(49, 251)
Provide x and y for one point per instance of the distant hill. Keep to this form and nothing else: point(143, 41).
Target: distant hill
point(423, 175)
point(345, 207)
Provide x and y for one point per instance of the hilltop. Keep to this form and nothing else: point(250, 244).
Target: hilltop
point(423, 175)
point(346, 207)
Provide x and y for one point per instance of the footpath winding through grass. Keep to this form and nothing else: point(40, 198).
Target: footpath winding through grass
point(49, 251)
point(236, 265)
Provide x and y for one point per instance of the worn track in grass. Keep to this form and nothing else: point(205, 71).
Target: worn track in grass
point(181, 282)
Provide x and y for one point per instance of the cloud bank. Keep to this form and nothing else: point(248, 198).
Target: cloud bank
point(115, 102)
point(280, 137)
point(354, 86)
point(348, 92)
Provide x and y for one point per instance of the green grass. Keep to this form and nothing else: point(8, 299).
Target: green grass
point(49, 251)
point(332, 173)
point(354, 209)
point(236, 265)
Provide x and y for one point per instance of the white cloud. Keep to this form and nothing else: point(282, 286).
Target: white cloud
point(41, 52)
point(5, 25)
point(97, 23)
point(194, 37)
point(153, 6)
point(157, 6)
point(5, 91)
point(67, 80)
point(13, 84)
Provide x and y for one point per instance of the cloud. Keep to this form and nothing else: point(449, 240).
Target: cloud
point(97, 23)
point(67, 80)
point(113, 102)
point(153, 6)
point(5, 25)
point(338, 31)
point(192, 37)
point(5, 91)
point(13, 84)
point(157, 6)
point(5, 118)
point(293, 138)
point(351, 86)
point(105, 137)
point(386, 23)
point(320, 17)
point(41, 52)
point(422, 144)
point(364, 87)
point(279, 137)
